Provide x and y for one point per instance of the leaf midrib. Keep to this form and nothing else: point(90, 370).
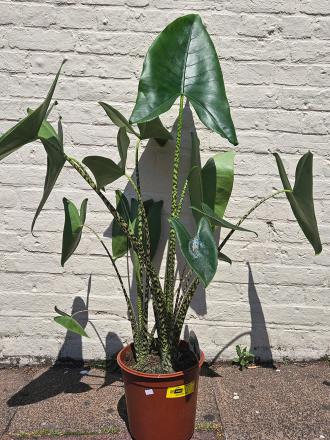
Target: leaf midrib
point(183, 80)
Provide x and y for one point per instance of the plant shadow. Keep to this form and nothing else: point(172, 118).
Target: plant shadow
point(64, 376)
point(122, 410)
point(259, 339)
point(260, 344)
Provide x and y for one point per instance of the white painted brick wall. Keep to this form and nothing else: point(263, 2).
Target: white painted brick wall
point(275, 58)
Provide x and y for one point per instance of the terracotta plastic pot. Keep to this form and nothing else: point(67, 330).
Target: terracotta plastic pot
point(160, 406)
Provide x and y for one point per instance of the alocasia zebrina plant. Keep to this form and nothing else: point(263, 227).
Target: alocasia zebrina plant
point(181, 65)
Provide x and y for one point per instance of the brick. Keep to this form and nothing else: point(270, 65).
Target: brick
point(258, 26)
point(38, 16)
point(9, 14)
point(322, 28)
point(317, 7)
point(259, 6)
point(309, 52)
point(296, 27)
point(275, 62)
point(39, 39)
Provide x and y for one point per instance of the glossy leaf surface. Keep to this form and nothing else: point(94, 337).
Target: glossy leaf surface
point(73, 225)
point(27, 129)
point(104, 170)
point(182, 61)
point(199, 251)
point(217, 181)
point(53, 144)
point(301, 198)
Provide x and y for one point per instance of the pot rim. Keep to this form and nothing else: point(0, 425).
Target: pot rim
point(174, 375)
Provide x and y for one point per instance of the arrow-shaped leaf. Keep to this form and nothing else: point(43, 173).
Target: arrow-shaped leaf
point(218, 221)
point(105, 170)
point(27, 129)
point(199, 251)
point(69, 323)
point(117, 118)
point(73, 225)
point(53, 145)
point(182, 61)
point(301, 198)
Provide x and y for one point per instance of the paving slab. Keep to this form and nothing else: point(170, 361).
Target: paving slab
point(11, 380)
point(60, 400)
point(121, 436)
point(292, 403)
point(256, 404)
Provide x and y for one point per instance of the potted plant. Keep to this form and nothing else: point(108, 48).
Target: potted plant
point(160, 371)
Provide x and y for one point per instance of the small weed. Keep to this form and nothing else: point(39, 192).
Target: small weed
point(243, 358)
point(211, 427)
point(325, 358)
point(286, 360)
point(207, 426)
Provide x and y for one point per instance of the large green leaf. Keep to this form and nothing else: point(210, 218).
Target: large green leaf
point(195, 177)
point(53, 144)
point(182, 61)
point(154, 130)
point(217, 181)
point(120, 242)
point(105, 170)
point(69, 323)
point(218, 221)
point(301, 198)
point(117, 118)
point(73, 225)
point(27, 129)
point(199, 251)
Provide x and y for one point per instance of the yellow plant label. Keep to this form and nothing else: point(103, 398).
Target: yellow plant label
point(180, 391)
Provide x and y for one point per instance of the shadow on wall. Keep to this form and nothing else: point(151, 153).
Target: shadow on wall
point(155, 167)
point(259, 343)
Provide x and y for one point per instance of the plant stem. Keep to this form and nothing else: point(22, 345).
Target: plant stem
point(145, 293)
point(170, 260)
point(182, 196)
point(157, 292)
point(245, 216)
point(130, 308)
